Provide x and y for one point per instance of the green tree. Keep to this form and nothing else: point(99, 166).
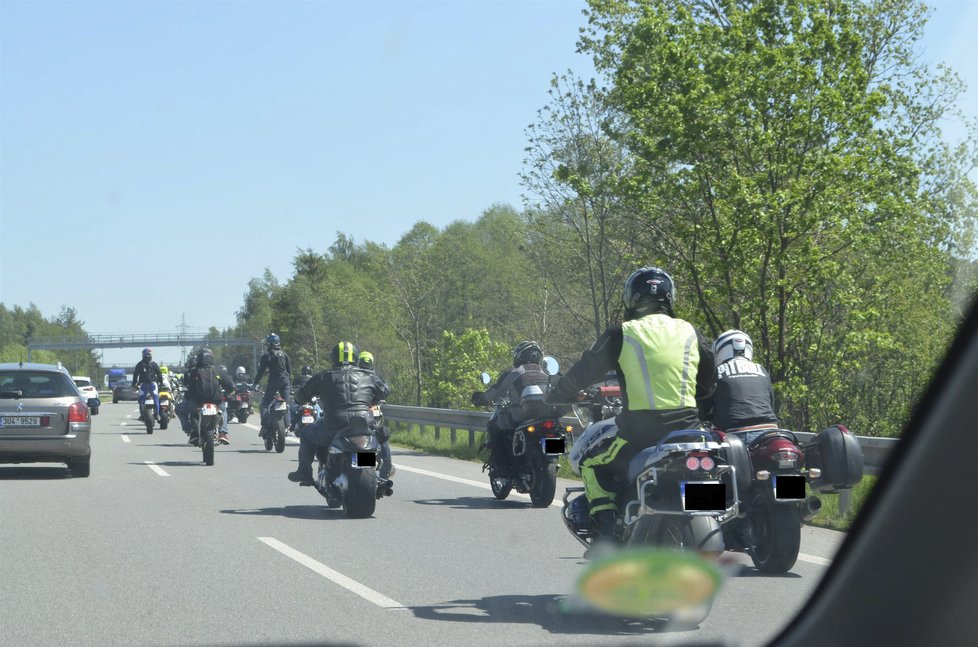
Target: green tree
point(457, 364)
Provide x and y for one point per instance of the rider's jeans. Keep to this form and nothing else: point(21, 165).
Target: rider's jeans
point(149, 388)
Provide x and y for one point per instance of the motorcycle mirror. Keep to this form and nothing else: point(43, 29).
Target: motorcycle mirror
point(485, 378)
point(551, 365)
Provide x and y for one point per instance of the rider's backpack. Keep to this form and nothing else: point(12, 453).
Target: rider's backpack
point(837, 453)
point(206, 388)
point(276, 362)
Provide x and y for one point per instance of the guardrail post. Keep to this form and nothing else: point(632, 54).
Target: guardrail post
point(452, 432)
point(437, 432)
point(471, 437)
point(844, 500)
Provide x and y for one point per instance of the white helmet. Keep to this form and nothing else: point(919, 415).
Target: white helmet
point(730, 344)
point(240, 370)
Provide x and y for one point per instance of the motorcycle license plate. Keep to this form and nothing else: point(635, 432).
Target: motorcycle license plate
point(703, 496)
point(281, 406)
point(363, 459)
point(788, 488)
point(553, 446)
point(308, 420)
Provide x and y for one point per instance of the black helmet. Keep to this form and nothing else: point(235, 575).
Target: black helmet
point(307, 370)
point(205, 357)
point(273, 341)
point(344, 353)
point(648, 290)
point(527, 352)
point(147, 353)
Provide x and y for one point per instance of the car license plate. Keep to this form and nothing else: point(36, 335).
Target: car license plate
point(307, 420)
point(20, 421)
point(702, 496)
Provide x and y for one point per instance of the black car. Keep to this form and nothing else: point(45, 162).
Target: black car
point(124, 392)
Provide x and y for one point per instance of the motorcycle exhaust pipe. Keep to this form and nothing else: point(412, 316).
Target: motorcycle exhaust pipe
point(811, 508)
point(389, 488)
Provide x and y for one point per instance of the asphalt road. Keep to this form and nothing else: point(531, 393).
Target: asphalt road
point(178, 553)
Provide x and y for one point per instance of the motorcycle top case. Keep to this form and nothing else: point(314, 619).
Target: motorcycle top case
point(836, 452)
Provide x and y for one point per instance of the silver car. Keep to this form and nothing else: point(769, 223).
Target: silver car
point(44, 418)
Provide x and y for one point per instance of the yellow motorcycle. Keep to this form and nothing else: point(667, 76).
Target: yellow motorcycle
point(167, 409)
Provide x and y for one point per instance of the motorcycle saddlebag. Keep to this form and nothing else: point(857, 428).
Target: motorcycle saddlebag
point(836, 452)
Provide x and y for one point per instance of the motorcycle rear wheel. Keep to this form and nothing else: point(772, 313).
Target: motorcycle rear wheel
point(361, 497)
point(280, 435)
point(164, 421)
point(775, 536)
point(544, 485)
point(242, 417)
point(149, 422)
point(208, 447)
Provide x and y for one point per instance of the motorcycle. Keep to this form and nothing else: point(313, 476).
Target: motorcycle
point(148, 413)
point(273, 429)
point(347, 473)
point(773, 469)
point(166, 408)
point(207, 421)
point(532, 448)
point(677, 494)
point(239, 403)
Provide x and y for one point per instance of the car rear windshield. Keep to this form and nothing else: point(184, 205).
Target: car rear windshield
point(36, 384)
point(81, 383)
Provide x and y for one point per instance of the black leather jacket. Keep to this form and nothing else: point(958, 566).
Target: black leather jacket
point(343, 392)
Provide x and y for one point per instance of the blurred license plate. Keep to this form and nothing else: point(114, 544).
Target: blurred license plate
point(20, 421)
point(700, 496)
point(789, 487)
point(363, 459)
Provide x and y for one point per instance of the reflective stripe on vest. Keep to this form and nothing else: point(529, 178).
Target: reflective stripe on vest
point(659, 356)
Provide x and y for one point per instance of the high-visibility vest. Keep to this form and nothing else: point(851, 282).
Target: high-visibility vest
point(659, 356)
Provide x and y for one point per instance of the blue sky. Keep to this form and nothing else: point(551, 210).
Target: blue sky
point(186, 145)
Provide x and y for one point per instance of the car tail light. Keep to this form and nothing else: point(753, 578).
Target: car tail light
point(78, 412)
point(45, 421)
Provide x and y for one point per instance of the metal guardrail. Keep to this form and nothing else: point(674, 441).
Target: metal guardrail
point(875, 450)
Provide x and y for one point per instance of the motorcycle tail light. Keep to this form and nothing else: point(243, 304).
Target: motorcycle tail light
point(548, 425)
point(707, 463)
point(359, 441)
point(306, 411)
point(785, 456)
point(692, 463)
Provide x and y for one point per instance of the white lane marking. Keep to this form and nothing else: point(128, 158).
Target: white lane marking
point(128, 415)
point(812, 559)
point(153, 466)
point(455, 479)
point(125, 439)
point(364, 592)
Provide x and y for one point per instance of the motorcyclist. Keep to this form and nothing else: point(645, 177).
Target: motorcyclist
point(346, 391)
point(186, 405)
point(241, 376)
point(279, 369)
point(366, 362)
point(165, 381)
point(743, 398)
point(526, 371)
point(665, 367)
point(147, 376)
point(227, 386)
point(207, 384)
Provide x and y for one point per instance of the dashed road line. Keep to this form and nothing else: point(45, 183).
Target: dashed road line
point(156, 468)
point(814, 559)
point(125, 439)
point(347, 583)
point(292, 440)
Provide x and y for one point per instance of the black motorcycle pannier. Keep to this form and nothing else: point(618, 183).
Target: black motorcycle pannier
point(836, 452)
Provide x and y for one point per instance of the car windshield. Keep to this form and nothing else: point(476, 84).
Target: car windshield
point(754, 222)
point(33, 384)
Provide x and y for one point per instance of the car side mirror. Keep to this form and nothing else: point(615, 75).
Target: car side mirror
point(93, 404)
point(551, 365)
point(485, 378)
